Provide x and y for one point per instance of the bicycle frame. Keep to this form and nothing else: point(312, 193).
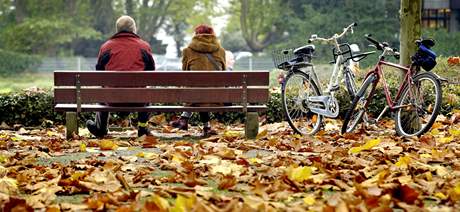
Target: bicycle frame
point(378, 71)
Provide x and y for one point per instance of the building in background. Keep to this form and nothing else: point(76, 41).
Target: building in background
point(441, 14)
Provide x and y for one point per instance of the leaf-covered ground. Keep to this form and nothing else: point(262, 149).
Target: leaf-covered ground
point(371, 170)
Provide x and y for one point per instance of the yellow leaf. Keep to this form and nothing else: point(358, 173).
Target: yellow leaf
point(436, 154)
point(140, 154)
point(434, 132)
point(440, 195)
point(299, 174)
point(309, 200)
point(454, 132)
point(403, 162)
point(446, 139)
point(3, 158)
point(107, 145)
point(82, 147)
point(183, 204)
point(425, 155)
point(457, 189)
point(368, 145)
point(77, 175)
point(428, 176)
point(150, 155)
point(178, 158)
point(262, 134)
point(161, 202)
point(255, 160)
point(231, 135)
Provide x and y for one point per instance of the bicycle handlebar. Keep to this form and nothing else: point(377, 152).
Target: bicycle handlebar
point(335, 36)
point(383, 46)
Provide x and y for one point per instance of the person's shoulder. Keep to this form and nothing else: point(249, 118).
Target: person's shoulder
point(187, 50)
point(144, 43)
point(107, 45)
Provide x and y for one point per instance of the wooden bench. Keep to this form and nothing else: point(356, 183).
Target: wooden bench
point(85, 91)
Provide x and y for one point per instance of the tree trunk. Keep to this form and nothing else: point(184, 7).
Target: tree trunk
point(410, 29)
point(129, 7)
point(19, 10)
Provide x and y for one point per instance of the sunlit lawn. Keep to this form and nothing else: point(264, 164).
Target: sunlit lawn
point(22, 81)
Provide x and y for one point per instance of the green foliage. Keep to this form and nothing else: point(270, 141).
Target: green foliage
point(15, 63)
point(40, 36)
point(27, 108)
point(446, 42)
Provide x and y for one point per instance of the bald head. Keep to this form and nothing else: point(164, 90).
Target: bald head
point(126, 23)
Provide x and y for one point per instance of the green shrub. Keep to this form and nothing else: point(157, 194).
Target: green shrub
point(14, 63)
point(33, 108)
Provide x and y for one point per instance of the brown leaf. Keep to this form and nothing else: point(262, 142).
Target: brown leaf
point(149, 142)
point(227, 182)
point(16, 204)
point(406, 194)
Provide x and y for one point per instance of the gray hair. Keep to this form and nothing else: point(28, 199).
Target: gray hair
point(126, 23)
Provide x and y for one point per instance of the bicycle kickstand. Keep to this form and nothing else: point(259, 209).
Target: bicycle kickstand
point(382, 113)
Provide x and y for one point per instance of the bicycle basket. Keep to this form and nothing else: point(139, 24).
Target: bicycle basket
point(282, 57)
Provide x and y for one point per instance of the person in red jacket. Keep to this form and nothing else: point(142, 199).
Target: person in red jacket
point(124, 51)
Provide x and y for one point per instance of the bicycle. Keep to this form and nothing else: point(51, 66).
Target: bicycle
point(304, 102)
point(413, 102)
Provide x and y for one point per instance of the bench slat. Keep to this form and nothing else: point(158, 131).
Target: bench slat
point(92, 108)
point(161, 78)
point(160, 95)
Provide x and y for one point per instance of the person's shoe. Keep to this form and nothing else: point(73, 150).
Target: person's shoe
point(92, 128)
point(181, 123)
point(143, 131)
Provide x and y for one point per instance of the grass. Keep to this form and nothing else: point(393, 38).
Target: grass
point(27, 80)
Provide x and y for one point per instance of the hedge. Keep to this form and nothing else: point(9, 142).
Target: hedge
point(14, 63)
point(35, 108)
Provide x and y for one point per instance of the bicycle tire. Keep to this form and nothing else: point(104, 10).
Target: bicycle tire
point(285, 98)
point(401, 126)
point(361, 96)
point(350, 82)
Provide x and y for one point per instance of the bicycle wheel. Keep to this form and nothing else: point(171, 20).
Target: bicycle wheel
point(359, 105)
point(419, 105)
point(350, 82)
point(295, 90)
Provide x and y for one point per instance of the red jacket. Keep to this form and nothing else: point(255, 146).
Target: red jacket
point(125, 51)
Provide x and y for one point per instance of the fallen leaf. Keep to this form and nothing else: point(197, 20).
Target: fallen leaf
point(406, 194)
point(82, 147)
point(309, 200)
point(367, 146)
point(8, 185)
point(403, 162)
point(299, 174)
point(107, 145)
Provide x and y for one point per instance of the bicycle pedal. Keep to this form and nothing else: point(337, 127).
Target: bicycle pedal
point(335, 88)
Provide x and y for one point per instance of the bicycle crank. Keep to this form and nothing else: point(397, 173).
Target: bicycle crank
point(324, 105)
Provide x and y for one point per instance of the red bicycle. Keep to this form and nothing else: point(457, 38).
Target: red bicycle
point(418, 100)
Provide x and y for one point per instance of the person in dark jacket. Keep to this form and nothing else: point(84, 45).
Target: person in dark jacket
point(203, 53)
point(124, 51)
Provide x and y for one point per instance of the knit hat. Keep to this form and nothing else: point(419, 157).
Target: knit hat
point(126, 23)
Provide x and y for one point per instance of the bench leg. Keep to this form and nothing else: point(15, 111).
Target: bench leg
point(252, 125)
point(71, 124)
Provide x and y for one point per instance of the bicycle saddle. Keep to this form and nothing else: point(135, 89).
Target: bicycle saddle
point(426, 42)
point(307, 49)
